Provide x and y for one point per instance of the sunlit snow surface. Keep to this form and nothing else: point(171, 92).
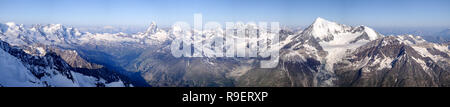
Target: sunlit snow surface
point(13, 73)
point(344, 39)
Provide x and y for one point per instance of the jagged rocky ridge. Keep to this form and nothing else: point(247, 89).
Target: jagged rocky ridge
point(40, 67)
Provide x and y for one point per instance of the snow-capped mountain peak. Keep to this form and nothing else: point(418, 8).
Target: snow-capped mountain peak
point(324, 29)
point(411, 39)
point(155, 34)
point(52, 28)
point(322, 21)
point(152, 29)
point(371, 33)
point(333, 38)
point(13, 26)
point(10, 23)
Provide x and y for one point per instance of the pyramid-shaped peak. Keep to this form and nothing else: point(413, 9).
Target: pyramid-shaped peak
point(324, 29)
point(325, 25)
point(153, 23)
point(322, 21)
point(152, 28)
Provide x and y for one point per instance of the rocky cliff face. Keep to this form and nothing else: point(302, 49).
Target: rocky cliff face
point(50, 70)
point(394, 62)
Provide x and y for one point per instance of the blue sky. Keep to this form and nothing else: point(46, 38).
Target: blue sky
point(377, 13)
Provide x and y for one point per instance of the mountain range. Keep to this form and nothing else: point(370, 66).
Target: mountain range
point(325, 54)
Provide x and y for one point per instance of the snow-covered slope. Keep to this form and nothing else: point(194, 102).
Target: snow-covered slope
point(436, 52)
point(20, 69)
point(403, 60)
point(329, 41)
point(13, 73)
